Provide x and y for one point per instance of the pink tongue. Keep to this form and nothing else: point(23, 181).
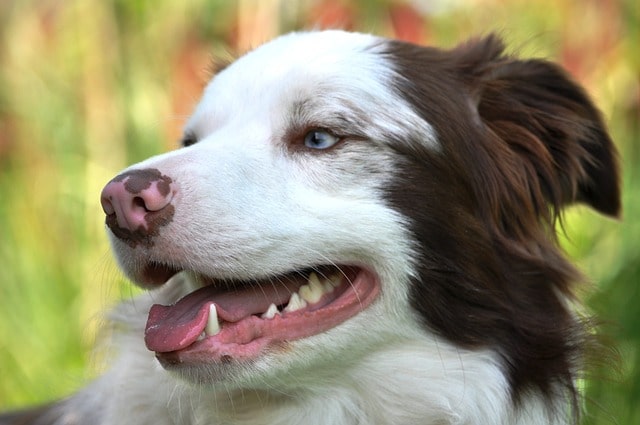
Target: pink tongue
point(174, 327)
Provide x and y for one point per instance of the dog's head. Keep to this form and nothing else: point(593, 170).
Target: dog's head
point(339, 192)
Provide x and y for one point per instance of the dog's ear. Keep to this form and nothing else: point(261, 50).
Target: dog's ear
point(546, 122)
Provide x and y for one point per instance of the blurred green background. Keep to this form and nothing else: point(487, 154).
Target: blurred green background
point(89, 86)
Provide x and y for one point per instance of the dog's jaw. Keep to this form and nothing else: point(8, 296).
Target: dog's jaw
point(235, 325)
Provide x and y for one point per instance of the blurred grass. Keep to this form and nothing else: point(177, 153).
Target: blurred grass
point(89, 86)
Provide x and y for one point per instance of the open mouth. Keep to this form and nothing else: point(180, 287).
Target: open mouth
point(225, 321)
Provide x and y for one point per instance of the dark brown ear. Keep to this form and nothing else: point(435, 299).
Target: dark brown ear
point(548, 121)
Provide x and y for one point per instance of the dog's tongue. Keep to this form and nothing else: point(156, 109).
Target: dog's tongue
point(171, 328)
point(174, 327)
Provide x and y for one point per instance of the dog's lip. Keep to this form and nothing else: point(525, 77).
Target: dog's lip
point(245, 336)
point(156, 273)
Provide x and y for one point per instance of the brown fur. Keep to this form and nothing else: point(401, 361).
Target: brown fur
point(524, 142)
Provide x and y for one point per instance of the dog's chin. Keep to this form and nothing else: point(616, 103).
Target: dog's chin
point(230, 374)
point(224, 326)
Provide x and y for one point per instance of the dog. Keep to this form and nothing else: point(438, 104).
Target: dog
point(356, 230)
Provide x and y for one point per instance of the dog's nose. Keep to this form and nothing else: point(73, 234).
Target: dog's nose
point(137, 203)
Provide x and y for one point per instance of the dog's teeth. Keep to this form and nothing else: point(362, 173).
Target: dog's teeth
point(213, 327)
point(201, 336)
point(271, 312)
point(332, 282)
point(313, 291)
point(295, 303)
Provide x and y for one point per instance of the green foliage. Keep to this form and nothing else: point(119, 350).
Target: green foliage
point(87, 87)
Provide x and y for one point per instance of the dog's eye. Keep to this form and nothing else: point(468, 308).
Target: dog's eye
point(188, 140)
point(320, 139)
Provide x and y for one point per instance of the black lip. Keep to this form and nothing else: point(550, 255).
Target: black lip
point(156, 273)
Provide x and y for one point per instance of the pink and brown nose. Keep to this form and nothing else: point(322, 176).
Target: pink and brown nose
point(137, 203)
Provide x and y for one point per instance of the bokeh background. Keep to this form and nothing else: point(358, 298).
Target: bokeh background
point(89, 86)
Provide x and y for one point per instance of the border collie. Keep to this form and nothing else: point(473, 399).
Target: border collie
point(356, 230)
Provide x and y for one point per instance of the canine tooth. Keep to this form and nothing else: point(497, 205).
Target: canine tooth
point(271, 312)
point(313, 291)
point(213, 327)
point(295, 303)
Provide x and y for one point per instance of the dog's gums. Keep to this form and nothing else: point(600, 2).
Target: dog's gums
point(215, 323)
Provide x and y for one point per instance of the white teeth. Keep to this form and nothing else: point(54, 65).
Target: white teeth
point(313, 291)
point(271, 312)
point(310, 293)
point(213, 327)
point(332, 282)
point(336, 279)
point(295, 303)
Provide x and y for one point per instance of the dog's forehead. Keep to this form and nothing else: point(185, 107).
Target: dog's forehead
point(349, 74)
point(311, 54)
point(309, 49)
point(292, 67)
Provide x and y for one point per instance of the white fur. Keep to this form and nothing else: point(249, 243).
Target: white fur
point(249, 206)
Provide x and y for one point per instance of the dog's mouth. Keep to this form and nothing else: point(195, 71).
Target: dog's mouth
point(225, 321)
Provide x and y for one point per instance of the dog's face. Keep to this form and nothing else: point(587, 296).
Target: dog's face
point(279, 190)
point(339, 192)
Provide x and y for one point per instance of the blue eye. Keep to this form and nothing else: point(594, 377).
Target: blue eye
point(320, 139)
